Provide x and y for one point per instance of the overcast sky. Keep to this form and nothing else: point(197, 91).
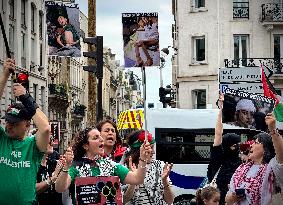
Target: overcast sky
point(109, 25)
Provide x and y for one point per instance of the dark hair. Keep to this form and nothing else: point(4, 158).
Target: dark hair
point(80, 140)
point(205, 193)
point(134, 151)
point(103, 122)
point(268, 147)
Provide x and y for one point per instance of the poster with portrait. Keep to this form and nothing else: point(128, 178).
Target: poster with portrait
point(98, 190)
point(247, 110)
point(141, 39)
point(63, 29)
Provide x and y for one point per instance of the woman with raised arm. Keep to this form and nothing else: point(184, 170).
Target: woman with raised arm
point(86, 152)
point(261, 178)
point(224, 157)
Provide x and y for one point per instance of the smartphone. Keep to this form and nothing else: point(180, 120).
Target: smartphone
point(240, 193)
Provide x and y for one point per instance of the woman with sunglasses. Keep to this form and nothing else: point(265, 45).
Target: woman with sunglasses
point(156, 189)
point(112, 142)
point(257, 181)
point(86, 152)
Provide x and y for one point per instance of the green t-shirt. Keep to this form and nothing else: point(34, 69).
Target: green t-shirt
point(19, 162)
point(105, 167)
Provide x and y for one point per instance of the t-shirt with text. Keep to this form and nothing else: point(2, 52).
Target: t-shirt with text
point(19, 162)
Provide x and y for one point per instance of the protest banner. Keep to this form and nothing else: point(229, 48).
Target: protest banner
point(98, 190)
point(246, 110)
point(141, 39)
point(63, 29)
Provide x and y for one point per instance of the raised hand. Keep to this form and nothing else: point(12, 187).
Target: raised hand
point(18, 90)
point(132, 165)
point(67, 158)
point(9, 66)
point(145, 151)
point(270, 121)
point(166, 170)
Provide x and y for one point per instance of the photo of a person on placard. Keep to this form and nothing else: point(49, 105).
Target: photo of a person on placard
point(63, 36)
point(141, 40)
point(245, 110)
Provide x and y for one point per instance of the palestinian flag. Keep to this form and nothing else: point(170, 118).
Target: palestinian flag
point(269, 91)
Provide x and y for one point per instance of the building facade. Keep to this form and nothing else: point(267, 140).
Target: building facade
point(24, 22)
point(209, 34)
point(68, 96)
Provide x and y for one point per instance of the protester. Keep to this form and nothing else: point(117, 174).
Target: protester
point(20, 154)
point(47, 175)
point(208, 196)
point(224, 158)
point(156, 188)
point(112, 142)
point(86, 152)
point(257, 181)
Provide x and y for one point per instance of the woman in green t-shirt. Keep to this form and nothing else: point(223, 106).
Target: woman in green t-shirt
point(86, 153)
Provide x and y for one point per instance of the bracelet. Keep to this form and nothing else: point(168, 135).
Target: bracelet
point(143, 160)
point(65, 170)
point(143, 167)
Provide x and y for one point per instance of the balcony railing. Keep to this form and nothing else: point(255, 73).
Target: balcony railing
point(79, 110)
point(272, 12)
point(240, 10)
point(275, 64)
point(55, 89)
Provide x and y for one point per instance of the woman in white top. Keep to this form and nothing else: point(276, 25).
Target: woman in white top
point(256, 181)
point(156, 189)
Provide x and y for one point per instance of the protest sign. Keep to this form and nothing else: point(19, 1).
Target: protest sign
point(246, 110)
point(141, 39)
point(63, 28)
point(98, 191)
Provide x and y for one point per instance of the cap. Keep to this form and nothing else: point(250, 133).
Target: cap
point(245, 104)
point(16, 113)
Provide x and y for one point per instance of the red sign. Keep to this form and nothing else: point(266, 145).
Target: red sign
point(98, 191)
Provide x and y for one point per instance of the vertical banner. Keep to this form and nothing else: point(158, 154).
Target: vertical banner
point(141, 39)
point(63, 29)
point(55, 133)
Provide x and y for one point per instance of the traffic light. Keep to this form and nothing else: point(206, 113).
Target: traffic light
point(97, 55)
point(22, 78)
point(165, 95)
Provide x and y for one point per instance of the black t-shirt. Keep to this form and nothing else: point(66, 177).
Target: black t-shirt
point(50, 196)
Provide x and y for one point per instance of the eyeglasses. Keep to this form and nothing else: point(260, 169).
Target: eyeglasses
point(109, 129)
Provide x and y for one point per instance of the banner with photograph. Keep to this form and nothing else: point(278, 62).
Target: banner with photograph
point(63, 29)
point(246, 110)
point(141, 39)
point(98, 190)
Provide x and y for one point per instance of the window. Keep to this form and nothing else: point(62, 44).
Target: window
point(11, 38)
point(199, 49)
point(41, 55)
point(199, 99)
point(12, 9)
point(23, 50)
point(32, 18)
point(35, 92)
point(240, 9)
point(33, 51)
point(199, 3)
point(277, 47)
point(241, 46)
point(42, 97)
point(40, 24)
point(23, 12)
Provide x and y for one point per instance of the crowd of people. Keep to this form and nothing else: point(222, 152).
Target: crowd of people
point(38, 174)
